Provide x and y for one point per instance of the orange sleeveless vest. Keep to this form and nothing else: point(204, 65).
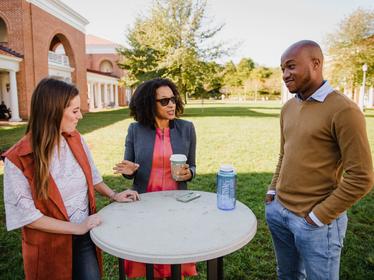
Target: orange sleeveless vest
point(49, 255)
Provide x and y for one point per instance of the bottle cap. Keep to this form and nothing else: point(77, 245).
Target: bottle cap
point(226, 168)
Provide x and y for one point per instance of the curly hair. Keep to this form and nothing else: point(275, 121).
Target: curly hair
point(143, 102)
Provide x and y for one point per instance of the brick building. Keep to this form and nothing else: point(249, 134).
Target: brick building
point(103, 74)
point(41, 38)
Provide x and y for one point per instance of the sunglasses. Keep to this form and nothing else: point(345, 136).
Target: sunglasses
point(165, 101)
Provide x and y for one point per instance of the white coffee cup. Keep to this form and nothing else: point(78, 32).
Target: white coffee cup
point(177, 161)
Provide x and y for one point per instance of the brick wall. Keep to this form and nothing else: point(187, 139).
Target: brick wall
point(11, 11)
point(94, 61)
point(30, 32)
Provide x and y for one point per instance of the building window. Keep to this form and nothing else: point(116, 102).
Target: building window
point(3, 32)
point(106, 66)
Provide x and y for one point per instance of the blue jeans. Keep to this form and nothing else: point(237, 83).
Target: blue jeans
point(304, 251)
point(85, 265)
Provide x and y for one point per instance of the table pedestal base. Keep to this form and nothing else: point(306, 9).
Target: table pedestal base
point(176, 272)
point(214, 270)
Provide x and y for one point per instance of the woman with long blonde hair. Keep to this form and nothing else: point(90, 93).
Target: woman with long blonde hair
point(49, 189)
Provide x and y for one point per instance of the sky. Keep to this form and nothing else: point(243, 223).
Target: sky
point(263, 29)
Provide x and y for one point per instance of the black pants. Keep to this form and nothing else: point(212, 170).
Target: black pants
point(85, 265)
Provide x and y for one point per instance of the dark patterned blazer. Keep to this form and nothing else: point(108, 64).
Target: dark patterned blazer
point(139, 145)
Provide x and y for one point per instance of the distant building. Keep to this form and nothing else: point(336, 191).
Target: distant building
point(41, 38)
point(103, 74)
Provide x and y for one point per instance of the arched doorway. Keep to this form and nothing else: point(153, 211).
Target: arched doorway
point(61, 63)
point(3, 32)
point(4, 80)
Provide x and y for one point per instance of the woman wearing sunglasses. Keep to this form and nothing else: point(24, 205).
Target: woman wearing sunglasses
point(151, 140)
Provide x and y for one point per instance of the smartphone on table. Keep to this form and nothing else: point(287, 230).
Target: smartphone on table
point(186, 197)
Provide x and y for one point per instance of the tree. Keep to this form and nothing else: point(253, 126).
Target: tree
point(244, 68)
point(213, 79)
point(256, 82)
point(246, 78)
point(140, 60)
point(350, 47)
point(273, 83)
point(173, 41)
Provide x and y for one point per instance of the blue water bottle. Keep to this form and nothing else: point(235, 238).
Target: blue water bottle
point(226, 187)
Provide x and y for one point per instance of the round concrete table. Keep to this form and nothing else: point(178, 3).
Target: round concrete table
point(158, 229)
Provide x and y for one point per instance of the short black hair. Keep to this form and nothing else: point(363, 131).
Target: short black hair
point(143, 102)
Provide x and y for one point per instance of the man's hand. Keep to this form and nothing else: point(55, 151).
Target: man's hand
point(310, 221)
point(126, 167)
point(269, 198)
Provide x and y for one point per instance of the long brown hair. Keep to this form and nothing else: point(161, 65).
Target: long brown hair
point(48, 102)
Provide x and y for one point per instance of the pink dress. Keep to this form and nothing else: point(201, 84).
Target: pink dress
point(160, 180)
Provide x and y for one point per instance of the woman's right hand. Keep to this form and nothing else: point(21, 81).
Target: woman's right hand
point(126, 167)
point(88, 224)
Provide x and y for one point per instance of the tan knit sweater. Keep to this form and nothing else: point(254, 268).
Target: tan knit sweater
point(325, 163)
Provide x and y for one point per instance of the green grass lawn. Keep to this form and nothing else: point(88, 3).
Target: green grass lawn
point(246, 136)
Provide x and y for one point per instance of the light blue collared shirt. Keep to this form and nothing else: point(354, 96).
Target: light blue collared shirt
point(320, 94)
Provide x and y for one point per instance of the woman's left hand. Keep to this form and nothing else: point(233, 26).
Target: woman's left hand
point(126, 196)
point(184, 173)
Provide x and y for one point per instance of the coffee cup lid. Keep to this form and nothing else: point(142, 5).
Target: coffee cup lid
point(178, 158)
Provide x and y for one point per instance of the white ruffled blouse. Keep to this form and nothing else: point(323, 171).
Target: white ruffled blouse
point(20, 209)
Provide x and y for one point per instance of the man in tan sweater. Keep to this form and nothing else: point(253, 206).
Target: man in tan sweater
point(324, 167)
